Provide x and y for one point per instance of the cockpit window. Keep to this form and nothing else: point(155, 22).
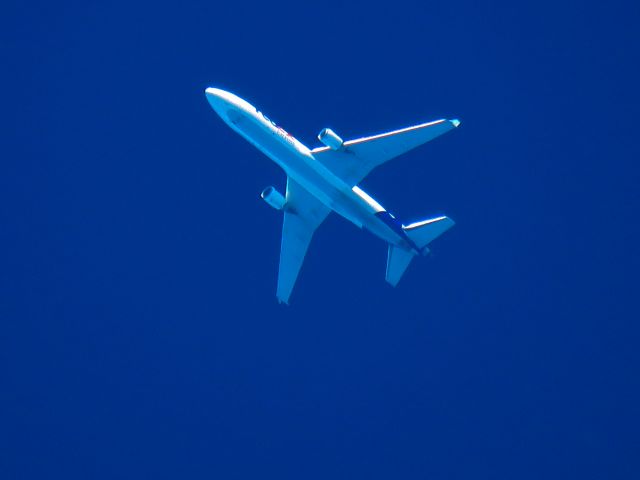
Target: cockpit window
point(267, 118)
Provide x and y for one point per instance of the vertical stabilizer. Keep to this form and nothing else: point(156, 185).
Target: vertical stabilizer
point(398, 260)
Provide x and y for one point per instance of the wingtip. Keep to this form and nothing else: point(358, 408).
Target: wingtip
point(282, 301)
point(455, 122)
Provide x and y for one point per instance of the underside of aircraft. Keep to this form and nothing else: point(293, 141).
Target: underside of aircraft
point(326, 179)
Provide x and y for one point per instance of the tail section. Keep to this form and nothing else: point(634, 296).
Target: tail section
point(421, 234)
point(424, 232)
point(397, 262)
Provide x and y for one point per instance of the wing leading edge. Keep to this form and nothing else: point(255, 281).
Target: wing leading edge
point(303, 214)
point(358, 157)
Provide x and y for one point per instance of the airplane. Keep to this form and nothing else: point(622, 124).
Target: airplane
point(325, 179)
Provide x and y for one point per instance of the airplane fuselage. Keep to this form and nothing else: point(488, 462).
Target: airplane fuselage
point(299, 164)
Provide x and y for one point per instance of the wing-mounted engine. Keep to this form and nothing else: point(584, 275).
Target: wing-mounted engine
point(330, 139)
point(273, 197)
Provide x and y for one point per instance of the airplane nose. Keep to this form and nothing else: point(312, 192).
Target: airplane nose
point(216, 92)
point(223, 101)
point(216, 97)
point(226, 104)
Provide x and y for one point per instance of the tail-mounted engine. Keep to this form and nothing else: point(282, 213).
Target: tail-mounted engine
point(273, 197)
point(330, 139)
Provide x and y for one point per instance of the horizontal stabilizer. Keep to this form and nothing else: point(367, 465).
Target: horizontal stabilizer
point(398, 260)
point(424, 232)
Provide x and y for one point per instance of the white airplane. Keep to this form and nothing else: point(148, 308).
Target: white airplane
point(325, 179)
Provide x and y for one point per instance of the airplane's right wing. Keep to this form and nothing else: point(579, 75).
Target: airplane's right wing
point(356, 158)
point(302, 215)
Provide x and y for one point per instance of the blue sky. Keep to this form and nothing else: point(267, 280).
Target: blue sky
point(139, 331)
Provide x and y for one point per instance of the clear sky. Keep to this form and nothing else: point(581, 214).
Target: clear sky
point(140, 335)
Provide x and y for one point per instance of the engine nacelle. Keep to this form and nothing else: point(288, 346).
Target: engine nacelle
point(330, 139)
point(273, 197)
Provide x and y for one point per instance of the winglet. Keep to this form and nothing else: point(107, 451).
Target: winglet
point(455, 122)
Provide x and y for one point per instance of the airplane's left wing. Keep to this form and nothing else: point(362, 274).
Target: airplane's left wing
point(303, 214)
point(356, 158)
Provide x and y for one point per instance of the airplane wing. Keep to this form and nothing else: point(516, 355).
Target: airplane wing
point(303, 214)
point(358, 157)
